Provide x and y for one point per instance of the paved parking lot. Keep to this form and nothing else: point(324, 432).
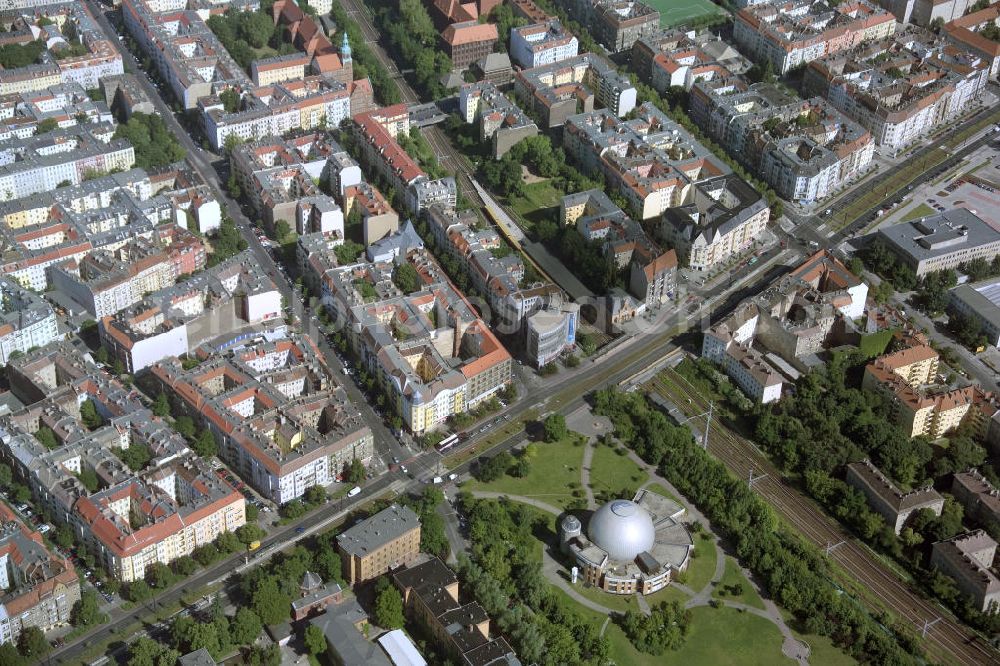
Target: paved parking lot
point(976, 191)
point(975, 186)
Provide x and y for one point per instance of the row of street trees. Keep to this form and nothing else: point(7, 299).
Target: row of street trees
point(795, 574)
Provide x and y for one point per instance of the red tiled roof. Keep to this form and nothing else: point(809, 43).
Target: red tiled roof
point(457, 34)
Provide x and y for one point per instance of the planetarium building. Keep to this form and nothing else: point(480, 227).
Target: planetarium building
point(630, 545)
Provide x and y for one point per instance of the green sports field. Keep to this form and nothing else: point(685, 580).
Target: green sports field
point(679, 12)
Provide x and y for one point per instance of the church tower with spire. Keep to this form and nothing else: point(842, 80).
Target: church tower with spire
point(346, 60)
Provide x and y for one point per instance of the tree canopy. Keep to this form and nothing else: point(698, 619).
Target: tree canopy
point(153, 143)
point(388, 605)
point(406, 278)
point(554, 427)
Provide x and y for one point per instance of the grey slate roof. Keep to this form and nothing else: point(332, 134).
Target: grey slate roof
point(373, 533)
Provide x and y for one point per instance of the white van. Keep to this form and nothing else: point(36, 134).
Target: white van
point(354, 491)
point(437, 479)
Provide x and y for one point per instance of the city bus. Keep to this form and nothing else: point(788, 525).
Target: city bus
point(447, 443)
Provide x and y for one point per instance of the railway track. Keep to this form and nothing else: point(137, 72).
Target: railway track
point(952, 640)
point(433, 134)
point(948, 636)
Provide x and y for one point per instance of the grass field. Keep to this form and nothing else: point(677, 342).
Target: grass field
point(732, 576)
point(657, 488)
point(821, 648)
point(717, 636)
point(611, 472)
point(920, 210)
point(680, 12)
point(553, 469)
point(702, 566)
point(536, 203)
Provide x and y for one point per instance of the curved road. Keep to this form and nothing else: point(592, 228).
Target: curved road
point(562, 395)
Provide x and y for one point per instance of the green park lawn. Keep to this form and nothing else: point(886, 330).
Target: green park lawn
point(553, 469)
point(732, 576)
point(701, 568)
point(660, 490)
point(536, 204)
point(717, 637)
point(920, 210)
point(821, 648)
point(612, 473)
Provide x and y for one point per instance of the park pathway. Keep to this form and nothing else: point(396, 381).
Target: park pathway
point(538, 504)
point(552, 569)
point(791, 647)
point(588, 457)
point(555, 571)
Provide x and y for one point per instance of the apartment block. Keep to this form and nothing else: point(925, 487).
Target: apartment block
point(968, 560)
point(658, 174)
point(499, 119)
point(29, 78)
point(559, 90)
point(377, 131)
point(278, 177)
point(673, 58)
point(652, 271)
point(125, 95)
point(978, 497)
point(26, 320)
point(428, 350)
point(379, 544)
point(542, 44)
point(615, 24)
point(223, 300)
point(279, 69)
point(43, 162)
point(795, 32)
point(966, 34)
point(797, 316)
point(920, 404)
point(887, 499)
point(499, 279)
point(100, 58)
point(39, 586)
point(66, 103)
point(900, 88)
point(431, 599)
point(48, 229)
point(43, 250)
point(378, 218)
point(308, 103)
point(805, 149)
point(131, 519)
point(281, 421)
point(723, 219)
point(941, 241)
point(106, 282)
point(187, 55)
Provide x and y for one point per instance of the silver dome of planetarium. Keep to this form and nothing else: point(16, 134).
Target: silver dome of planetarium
point(623, 529)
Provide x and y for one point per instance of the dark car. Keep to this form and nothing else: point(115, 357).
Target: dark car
point(300, 529)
